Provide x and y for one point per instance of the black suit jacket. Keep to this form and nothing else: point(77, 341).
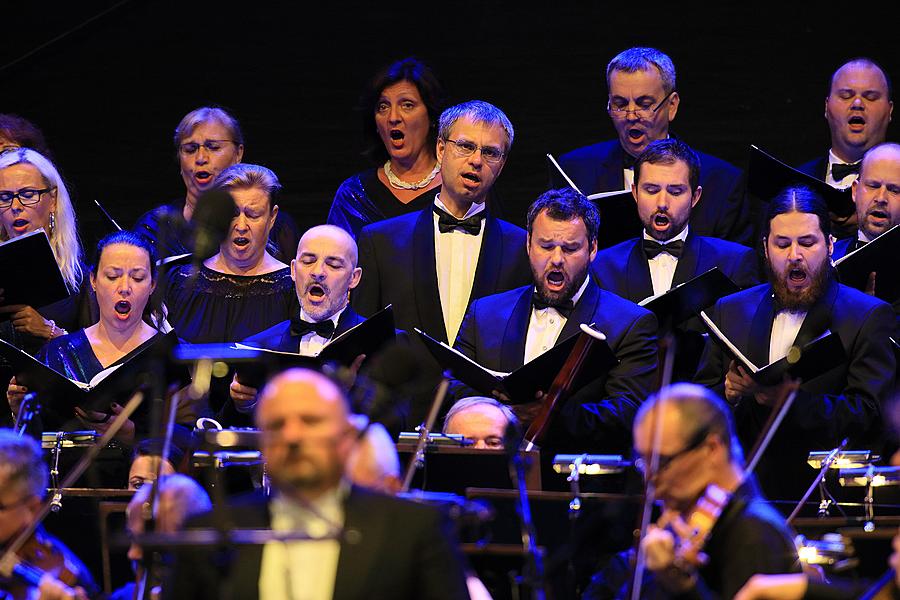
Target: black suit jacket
point(843, 402)
point(279, 336)
point(391, 549)
point(625, 270)
point(398, 267)
point(599, 416)
point(722, 211)
point(817, 167)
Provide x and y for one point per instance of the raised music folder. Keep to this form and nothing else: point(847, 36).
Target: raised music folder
point(685, 300)
point(878, 256)
point(29, 273)
point(521, 385)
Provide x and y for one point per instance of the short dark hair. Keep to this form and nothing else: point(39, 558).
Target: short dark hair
point(797, 198)
point(154, 447)
point(667, 152)
point(863, 60)
point(124, 236)
point(430, 89)
point(24, 133)
point(565, 204)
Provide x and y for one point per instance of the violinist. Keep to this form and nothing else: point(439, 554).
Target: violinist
point(23, 481)
point(504, 331)
point(700, 463)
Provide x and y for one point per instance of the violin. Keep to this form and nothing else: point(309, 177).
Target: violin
point(699, 523)
point(21, 572)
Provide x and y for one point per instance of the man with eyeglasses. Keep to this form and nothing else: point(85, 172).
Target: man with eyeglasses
point(23, 483)
point(431, 264)
point(643, 101)
point(684, 443)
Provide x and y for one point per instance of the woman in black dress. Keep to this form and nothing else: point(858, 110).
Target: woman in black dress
point(400, 113)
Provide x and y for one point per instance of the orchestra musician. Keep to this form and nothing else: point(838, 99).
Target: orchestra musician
point(23, 483)
point(481, 420)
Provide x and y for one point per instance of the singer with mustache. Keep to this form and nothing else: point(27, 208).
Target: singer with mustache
point(504, 331)
point(324, 272)
point(799, 303)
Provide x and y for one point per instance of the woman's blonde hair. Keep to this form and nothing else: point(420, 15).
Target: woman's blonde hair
point(64, 236)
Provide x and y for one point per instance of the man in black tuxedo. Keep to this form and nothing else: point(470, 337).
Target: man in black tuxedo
point(666, 188)
point(877, 197)
point(324, 271)
point(801, 301)
point(430, 265)
point(642, 102)
point(366, 545)
point(504, 331)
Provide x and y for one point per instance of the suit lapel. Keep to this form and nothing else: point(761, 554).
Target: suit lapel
point(610, 176)
point(424, 276)
point(348, 319)
point(686, 267)
point(490, 259)
point(760, 332)
point(583, 313)
point(364, 533)
point(638, 283)
point(512, 346)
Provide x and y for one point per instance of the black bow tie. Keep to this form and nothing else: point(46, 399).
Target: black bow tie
point(447, 222)
point(839, 171)
point(564, 308)
point(652, 248)
point(324, 329)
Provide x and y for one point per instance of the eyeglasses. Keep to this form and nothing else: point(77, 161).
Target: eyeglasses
point(26, 196)
point(488, 153)
point(641, 112)
point(214, 146)
point(643, 466)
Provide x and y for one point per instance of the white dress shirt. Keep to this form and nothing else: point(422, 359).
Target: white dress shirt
point(545, 326)
point(456, 257)
point(662, 266)
point(311, 344)
point(303, 570)
point(784, 331)
point(843, 183)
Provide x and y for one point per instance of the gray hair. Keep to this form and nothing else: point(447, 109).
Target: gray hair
point(22, 464)
point(478, 111)
point(643, 59)
point(207, 114)
point(467, 403)
point(245, 175)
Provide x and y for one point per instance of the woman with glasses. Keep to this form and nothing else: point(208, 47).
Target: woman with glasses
point(208, 140)
point(400, 111)
point(34, 196)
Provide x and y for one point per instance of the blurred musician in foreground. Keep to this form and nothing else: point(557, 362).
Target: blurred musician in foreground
point(358, 550)
point(481, 420)
point(801, 301)
point(700, 464)
point(23, 482)
point(504, 331)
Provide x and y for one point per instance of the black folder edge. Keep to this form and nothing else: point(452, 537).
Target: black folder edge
point(379, 330)
point(46, 270)
point(878, 255)
point(519, 386)
point(687, 299)
point(816, 358)
point(839, 201)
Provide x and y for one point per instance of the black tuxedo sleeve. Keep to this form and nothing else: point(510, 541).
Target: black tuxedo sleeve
point(599, 416)
point(366, 298)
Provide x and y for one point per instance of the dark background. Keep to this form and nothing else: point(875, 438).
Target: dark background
point(109, 95)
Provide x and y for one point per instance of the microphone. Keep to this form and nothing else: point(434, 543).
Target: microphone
point(211, 219)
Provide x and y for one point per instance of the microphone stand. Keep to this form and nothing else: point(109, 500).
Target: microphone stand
point(819, 481)
point(533, 576)
point(417, 460)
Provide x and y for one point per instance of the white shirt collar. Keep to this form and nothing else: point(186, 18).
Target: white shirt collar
point(334, 318)
point(474, 209)
point(834, 160)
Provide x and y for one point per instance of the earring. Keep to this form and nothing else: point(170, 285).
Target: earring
point(52, 223)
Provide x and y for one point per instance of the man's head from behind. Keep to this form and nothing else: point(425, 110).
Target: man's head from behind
point(877, 191)
point(696, 442)
point(480, 419)
point(642, 97)
point(307, 435)
point(23, 481)
point(325, 270)
point(666, 187)
point(562, 242)
point(797, 243)
point(858, 108)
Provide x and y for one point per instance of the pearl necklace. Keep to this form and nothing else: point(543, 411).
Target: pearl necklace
point(402, 185)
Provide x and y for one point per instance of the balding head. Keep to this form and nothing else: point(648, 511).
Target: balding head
point(858, 108)
point(325, 270)
point(306, 433)
point(877, 191)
